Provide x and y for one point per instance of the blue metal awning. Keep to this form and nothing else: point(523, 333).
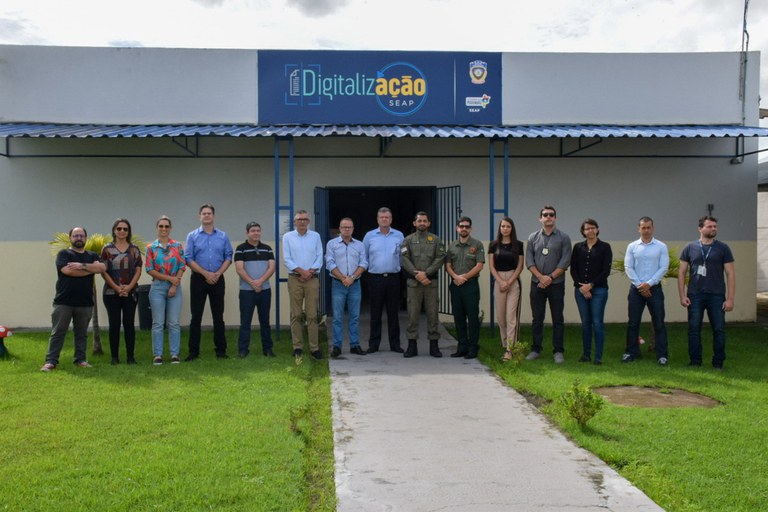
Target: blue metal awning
point(80, 131)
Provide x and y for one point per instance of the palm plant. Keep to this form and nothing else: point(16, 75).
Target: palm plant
point(95, 243)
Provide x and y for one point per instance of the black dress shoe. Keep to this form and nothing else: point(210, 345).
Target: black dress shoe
point(459, 353)
point(190, 357)
point(269, 353)
point(222, 356)
point(242, 355)
point(131, 360)
point(317, 355)
point(372, 350)
point(471, 355)
point(297, 352)
point(357, 350)
point(397, 349)
point(584, 359)
point(335, 352)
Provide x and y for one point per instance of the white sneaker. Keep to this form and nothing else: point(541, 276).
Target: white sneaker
point(559, 358)
point(532, 355)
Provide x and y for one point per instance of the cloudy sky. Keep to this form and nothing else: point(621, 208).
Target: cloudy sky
point(493, 25)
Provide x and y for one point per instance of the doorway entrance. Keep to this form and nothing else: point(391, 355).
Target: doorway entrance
point(443, 204)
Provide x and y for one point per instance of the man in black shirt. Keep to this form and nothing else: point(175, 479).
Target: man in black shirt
point(73, 302)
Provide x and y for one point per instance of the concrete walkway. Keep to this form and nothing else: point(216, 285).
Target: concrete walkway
point(427, 434)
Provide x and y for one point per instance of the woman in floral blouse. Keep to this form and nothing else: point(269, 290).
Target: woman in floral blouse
point(123, 261)
point(165, 263)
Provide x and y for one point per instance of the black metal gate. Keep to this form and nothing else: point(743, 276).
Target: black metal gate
point(322, 226)
point(448, 209)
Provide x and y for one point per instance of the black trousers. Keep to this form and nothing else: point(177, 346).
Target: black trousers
point(199, 291)
point(121, 310)
point(384, 292)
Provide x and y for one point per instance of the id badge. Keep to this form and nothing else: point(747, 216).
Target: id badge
point(545, 251)
point(701, 271)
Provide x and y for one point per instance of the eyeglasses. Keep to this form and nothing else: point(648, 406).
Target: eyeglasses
point(78, 236)
point(301, 220)
point(465, 226)
point(164, 226)
point(346, 227)
point(121, 229)
point(548, 214)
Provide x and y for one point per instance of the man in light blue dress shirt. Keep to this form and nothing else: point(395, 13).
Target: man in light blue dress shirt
point(209, 254)
point(646, 263)
point(345, 260)
point(382, 247)
point(303, 257)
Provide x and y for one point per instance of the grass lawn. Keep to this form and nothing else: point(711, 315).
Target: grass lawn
point(256, 434)
point(687, 459)
point(239, 434)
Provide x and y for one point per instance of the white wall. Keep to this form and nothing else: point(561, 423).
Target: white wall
point(592, 88)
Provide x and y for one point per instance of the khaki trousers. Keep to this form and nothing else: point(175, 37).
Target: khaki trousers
point(304, 303)
point(508, 310)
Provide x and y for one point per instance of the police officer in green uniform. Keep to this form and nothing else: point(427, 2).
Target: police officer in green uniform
point(463, 262)
point(421, 256)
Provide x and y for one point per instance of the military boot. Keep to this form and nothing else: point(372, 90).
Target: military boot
point(412, 349)
point(434, 350)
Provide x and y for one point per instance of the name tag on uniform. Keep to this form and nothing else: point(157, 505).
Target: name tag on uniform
point(545, 251)
point(701, 271)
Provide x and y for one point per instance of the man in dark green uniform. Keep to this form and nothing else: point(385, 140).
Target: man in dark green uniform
point(421, 256)
point(463, 262)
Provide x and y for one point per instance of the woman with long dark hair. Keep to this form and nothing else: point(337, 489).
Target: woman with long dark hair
point(123, 261)
point(506, 263)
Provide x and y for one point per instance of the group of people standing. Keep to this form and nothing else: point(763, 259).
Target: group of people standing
point(382, 255)
point(705, 265)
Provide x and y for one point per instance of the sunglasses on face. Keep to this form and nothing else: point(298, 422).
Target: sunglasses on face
point(121, 229)
point(547, 214)
point(465, 226)
point(163, 226)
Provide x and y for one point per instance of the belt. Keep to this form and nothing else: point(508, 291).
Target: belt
point(386, 274)
point(294, 274)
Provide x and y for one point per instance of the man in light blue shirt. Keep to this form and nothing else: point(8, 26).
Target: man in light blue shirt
point(208, 253)
point(382, 247)
point(646, 263)
point(303, 257)
point(346, 261)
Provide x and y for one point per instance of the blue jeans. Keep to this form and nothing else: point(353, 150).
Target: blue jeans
point(341, 296)
point(261, 301)
point(712, 303)
point(636, 304)
point(165, 310)
point(592, 313)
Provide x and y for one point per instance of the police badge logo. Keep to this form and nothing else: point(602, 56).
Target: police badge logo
point(478, 71)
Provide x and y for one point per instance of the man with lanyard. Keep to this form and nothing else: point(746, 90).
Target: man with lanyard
point(382, 248)
point(547, 256)
point(707, 259)
point(209, 254)
point(73, 302)
point(464, 260)
point(303, 257)
point(421, 256)
point(255, 264)
point(345, 260)
point(646, 263)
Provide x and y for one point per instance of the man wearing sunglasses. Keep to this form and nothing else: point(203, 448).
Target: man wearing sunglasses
point(547, 257)
point(464, 260)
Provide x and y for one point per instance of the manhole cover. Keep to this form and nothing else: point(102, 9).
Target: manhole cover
point(635, 396)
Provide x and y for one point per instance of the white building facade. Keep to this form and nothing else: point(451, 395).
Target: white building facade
point(91, 134)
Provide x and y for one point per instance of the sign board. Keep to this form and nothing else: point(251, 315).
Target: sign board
point(383, 88)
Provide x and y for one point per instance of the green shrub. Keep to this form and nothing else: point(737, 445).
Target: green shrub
point(582, 403)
